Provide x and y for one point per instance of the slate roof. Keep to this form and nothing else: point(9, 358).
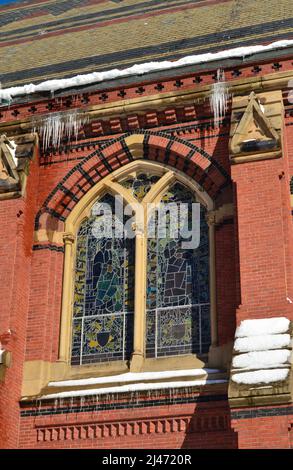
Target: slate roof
point(45, 39)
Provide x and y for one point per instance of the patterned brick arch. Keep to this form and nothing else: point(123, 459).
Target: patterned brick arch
point(148, 145)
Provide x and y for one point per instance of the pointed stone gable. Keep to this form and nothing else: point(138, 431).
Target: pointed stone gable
point(256, 132)
point(15, 156)
point(9, 178)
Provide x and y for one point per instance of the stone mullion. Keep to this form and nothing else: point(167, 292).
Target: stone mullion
point(139, 297)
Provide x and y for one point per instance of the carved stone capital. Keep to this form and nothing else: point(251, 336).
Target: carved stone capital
point(211, 218)
point(138, 228)
point(68, 238)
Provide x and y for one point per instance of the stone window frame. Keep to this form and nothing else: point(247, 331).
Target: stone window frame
point(81, 212)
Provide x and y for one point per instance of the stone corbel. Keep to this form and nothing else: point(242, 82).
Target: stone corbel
point(15, 156)
point(256, 127)
point(217, 216)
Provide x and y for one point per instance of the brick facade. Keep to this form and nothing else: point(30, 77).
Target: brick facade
point(253, 266)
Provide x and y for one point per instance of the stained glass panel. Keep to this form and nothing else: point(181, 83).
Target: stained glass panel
point(140, 185)
point(178, 318)
point(103, 293)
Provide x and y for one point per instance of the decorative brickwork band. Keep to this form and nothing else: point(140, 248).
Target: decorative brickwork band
point(132, 428)
point(153, 146)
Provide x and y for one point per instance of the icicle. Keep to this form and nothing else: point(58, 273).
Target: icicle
point(219, 97)
point(58, 125)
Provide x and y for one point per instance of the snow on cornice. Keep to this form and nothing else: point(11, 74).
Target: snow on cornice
point(139, 69)
point(134, 377)
point(137, 387)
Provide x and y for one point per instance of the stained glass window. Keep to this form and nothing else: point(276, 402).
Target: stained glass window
point(140, 185)
point(177, 297)
point(178, 300)
point(103, 294)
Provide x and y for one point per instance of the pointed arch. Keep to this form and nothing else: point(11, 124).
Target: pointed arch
point(113, 184)
point(145, 145)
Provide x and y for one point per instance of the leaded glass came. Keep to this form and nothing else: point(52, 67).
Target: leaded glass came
point(178, 299)
point(103, 295)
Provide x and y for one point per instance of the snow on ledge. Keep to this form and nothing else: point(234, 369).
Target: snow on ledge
point(262, 343)
point(138, 387)
point(95, 77)
point(134, 377)
point(263, 326)
point(261, 376)
point(262, 359)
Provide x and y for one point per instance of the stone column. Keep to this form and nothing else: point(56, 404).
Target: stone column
point(66, 313)
point(139, 298)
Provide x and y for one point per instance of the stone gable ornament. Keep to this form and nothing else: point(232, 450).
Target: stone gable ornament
point(256, 132)
point(15, 155)
point(9, 178)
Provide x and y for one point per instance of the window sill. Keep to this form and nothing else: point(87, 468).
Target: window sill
point(38, 375)
point(131, 382)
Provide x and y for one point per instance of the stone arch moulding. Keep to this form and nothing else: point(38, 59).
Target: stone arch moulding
point(145, 145)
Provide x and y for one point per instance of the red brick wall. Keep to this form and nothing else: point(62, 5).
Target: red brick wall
point(16, 233)
point(31, 283)
point(264, 433)
point(264, 225)
point(226, 291)
point(44, 305)
point(166, 427)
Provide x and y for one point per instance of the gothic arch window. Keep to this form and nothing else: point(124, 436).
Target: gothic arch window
point(145, 296)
